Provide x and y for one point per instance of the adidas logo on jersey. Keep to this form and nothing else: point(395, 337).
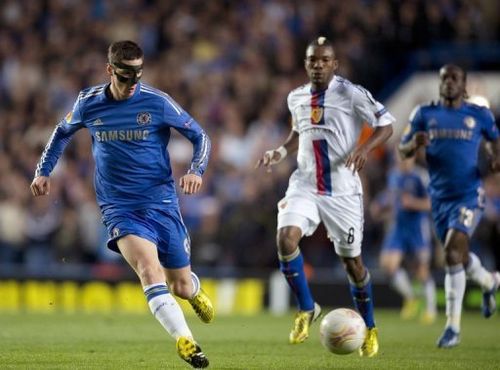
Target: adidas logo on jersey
point(97, 122)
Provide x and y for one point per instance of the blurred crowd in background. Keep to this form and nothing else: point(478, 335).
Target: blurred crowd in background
point(230, 64)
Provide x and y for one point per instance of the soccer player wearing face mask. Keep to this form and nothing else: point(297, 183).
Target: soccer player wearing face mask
point(451, 131)
point(127, 76)
point(130, 124)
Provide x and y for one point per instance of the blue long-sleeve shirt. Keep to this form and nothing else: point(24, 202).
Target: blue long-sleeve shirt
point(129, 145)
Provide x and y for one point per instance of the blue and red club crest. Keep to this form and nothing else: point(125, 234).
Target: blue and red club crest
point(143, 118)
point(316, 114)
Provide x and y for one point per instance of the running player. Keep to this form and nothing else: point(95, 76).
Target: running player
point(327, 116)
point(451, 130)
point(130, 124)
point(409, 238)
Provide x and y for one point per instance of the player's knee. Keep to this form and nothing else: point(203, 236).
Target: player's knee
point(287, 241)
point(453, 256)
point(422, 272)
point(389, 269)
point(354, 268)
point(387, 266)
point(150, 273)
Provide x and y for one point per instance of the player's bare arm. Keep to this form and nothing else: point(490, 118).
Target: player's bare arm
point(357, 159)
point(409, 149)
point(493, 149)
point(412, 203)
point(275, 156)
point(190, 183)
point(379, 211)
point(40, 186)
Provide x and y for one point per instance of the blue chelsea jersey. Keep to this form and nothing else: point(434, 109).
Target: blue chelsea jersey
point(129, 145)
point(413, 183)
point(455, 136)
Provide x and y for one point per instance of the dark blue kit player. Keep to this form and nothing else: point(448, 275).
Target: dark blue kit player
point(130, 124)
point(451, 131)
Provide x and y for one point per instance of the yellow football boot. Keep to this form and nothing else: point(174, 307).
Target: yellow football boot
point(303, 319)
point(191, 352)
point(410, 309)
point(203, 307)
point(370, 345)
point(428, 318)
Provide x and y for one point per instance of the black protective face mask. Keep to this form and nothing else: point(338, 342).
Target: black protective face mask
point(134, 72)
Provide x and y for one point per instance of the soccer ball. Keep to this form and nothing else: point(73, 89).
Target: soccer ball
point(342, 331)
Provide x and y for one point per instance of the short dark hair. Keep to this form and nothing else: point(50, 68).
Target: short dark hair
point(320, 41)
point(124, 50)
point(457, 67)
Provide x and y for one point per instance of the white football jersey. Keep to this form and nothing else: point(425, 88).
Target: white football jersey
point(329, 123)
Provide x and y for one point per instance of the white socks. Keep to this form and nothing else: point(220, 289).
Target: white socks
point(166, 310)
point(430, 295)
point(478, 274)
point(454, 284)
point(402, 284)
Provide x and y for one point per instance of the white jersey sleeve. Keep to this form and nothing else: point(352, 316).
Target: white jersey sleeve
point(292, 102)
point(368, 109)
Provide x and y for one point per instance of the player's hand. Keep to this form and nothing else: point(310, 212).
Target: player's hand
point(421, 139)
point(495, 165)
point(190, 183)
point(406, 201)
point(270, 158)
point(357, 159)
point(40, 186)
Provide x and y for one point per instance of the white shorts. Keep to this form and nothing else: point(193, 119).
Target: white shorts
point(342, 216)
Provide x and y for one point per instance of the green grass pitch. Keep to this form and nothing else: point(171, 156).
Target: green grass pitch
point(75, 341)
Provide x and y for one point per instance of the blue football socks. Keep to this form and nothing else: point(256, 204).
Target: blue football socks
point(363, 299)
point(292, 267)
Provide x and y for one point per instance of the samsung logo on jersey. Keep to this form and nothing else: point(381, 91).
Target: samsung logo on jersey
point(450, 134)
point(121, 135)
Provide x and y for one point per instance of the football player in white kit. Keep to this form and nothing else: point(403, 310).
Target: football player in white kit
point(327, 117)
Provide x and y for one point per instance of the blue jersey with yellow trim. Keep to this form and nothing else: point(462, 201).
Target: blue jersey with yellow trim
point(129, 145)
point(455, 136)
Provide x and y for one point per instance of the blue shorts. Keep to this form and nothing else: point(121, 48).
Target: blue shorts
point(164, 228)
point(408, 240)
point(462, 214)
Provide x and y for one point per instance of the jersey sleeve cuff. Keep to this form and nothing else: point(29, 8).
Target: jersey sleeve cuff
point(42, 172)
point(195, 171)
